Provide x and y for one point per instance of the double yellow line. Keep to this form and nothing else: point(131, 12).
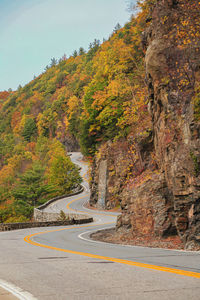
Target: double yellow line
point(29, 240)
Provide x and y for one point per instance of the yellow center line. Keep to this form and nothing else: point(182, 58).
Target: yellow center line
point(82, 211)
point(29, 240)
point(117, 260)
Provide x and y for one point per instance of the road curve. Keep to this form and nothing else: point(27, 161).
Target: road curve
point(63, 263)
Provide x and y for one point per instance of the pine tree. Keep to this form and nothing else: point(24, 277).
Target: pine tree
point(53, 62)
point(29, 130)
point(81, 51)
point(31, 187)
point(75, 54)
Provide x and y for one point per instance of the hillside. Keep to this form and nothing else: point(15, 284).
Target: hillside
point(132, 106)
point(81, 100)
point(155, 176)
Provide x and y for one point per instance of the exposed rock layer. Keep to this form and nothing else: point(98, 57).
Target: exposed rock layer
point(164, 198)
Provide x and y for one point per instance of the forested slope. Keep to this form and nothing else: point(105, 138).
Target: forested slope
point(86, 99)
point(132, 105)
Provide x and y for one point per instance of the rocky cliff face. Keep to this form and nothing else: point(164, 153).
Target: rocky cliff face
point(172, 71)
point(164, 197)
point(71, 143)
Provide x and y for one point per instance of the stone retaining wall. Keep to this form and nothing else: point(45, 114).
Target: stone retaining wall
point(42, 216)
point(45, 219)
point(80, 190)
point(13, 226)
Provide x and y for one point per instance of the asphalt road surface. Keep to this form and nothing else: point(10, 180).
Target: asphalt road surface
point(63, 263)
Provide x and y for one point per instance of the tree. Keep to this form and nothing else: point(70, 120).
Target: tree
point(75, 54)
point(30, 129)
point(46, 68)
point(96, 43)
point(53, 62)
point(4, 214)
point(60, 78)
point(31, 187)
point(81, 51)
point(63, 174)
point(64, 57)
point(117, 27)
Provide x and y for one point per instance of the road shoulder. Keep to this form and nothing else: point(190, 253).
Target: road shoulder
point(5, 295)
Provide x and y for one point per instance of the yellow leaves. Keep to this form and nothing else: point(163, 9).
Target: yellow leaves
point(28, 155)
point(100, 98)
point(19, 122)
point(114, 88)
point(40, 123)
point(185, 23)
point(133, 110)
point(56, 149)
point(94, 128)
point(66, 122)
point(164, 19)
point(9, 170)
point(112, 60)
point(73, 104)
point(59, 124)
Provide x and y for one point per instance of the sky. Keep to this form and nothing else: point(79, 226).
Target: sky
point(34, 31)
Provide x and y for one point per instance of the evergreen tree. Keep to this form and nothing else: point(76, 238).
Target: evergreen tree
point(75, 54)
point(30, 129)
point(31, 187)
point(117, 27)
point(81, 51)
point(46, 68)
point(53, 62)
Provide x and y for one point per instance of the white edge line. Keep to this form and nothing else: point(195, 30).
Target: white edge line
point(16, 291)
point(93, 241)
point(130, 246)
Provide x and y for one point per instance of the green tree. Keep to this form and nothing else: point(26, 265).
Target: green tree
point(5, 213)
point(60, 78)
point(30, 129)
point(31, 187)
point(75, 54)
point(81, 51)
point(53, 62)
point(64, 175)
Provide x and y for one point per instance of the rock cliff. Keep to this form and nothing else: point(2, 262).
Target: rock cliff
point(162, 194)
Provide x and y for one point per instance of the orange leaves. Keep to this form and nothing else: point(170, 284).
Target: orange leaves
point(4, 95)
point(8, 171)
point(66, 122)
point(100, 98)
point(114, 88)
point(16, 118)
point(30, 147)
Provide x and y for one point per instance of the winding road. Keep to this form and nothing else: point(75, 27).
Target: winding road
point(62, 263)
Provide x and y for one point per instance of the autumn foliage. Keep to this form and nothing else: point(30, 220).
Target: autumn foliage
point(96, 96)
